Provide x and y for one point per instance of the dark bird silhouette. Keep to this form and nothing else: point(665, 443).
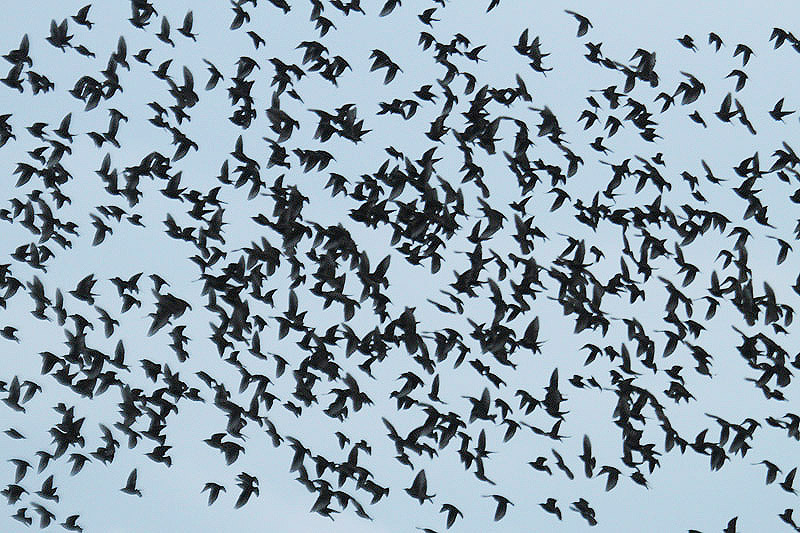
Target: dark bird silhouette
point(130, 485)
point(213, 491)
point(48, 490)
point(715, 40)
point(788, 481)
point(582, 507)
point(249, 486)
point(551, 507)
point(777, 112)
point(163, 35)
point(381, 60)
point(186, 29)
point(560, 464)
point(589, 462)
point(21, 516)
point(59, 36)
point(71, 523)
point(419, 488)
point(687, 42)
point(452, 514)
point(741, 78)
point(583, 23)
point(81, 16)
point(427, 16)
point(502, 505)
point(745, 51)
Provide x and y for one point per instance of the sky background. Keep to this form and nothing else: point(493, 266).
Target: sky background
point(683, 494)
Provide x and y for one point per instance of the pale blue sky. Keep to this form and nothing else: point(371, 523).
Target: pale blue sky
point(683, 493)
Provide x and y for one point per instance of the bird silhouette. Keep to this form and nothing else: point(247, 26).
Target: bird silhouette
point(130, 485)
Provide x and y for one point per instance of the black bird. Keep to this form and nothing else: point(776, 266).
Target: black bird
point(381, 60)
point(141, 56)
point(583, 22)
point(81, 16)
point(725, 114)
point(613, 476)
point(63, 128)
point(582, 507)
point(550, 507)
point(741, 78)
point(745, 51)
point(452, 513)
point(71, 524)
point(130, 485)
point(697, 118)
point(502, 505)
point(560, 464)
point(84, 289)
point(777, 111)
point(249, 486)
point(48, 490)
point(419, 488)
point(58, 35)
point(186, 29)
point(10, 333)
point(257, 39)
point(163, 35)
point(589, 462)
point(213, 491)
point(772, 470)
point(715, 40)
point(388, 7)
point(788, 481)
point(427, 16)
point(687, 42)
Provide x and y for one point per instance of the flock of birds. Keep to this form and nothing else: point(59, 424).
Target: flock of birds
point(664, 221)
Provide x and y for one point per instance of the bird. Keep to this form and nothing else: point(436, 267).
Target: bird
point(788, 481)
point(381, 60)
point(715, 40)
point(63, 128)
point(741, 78)
point(687, 42)
point(613, 476)
point(71, 523)
point(249, 486)
point(130, 485)
point(388, 7)
point(589, 462)
point(10, 333)
point(81, 16)
point(163, 35)
point(426, 17)
point(745, 51)
point(58, 35)
point(186, 28)
point(698, 118)
point(48, 490)
point(582, 507)
point(502, 505)
point(777, 112)
point(560, 464)
point(551, 507)
point(45, 515)
point(583, 23)
point(213, 491)
point(419, 488)
point(21, 516)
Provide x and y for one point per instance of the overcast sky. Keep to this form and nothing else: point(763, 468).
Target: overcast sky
point(683, 493)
